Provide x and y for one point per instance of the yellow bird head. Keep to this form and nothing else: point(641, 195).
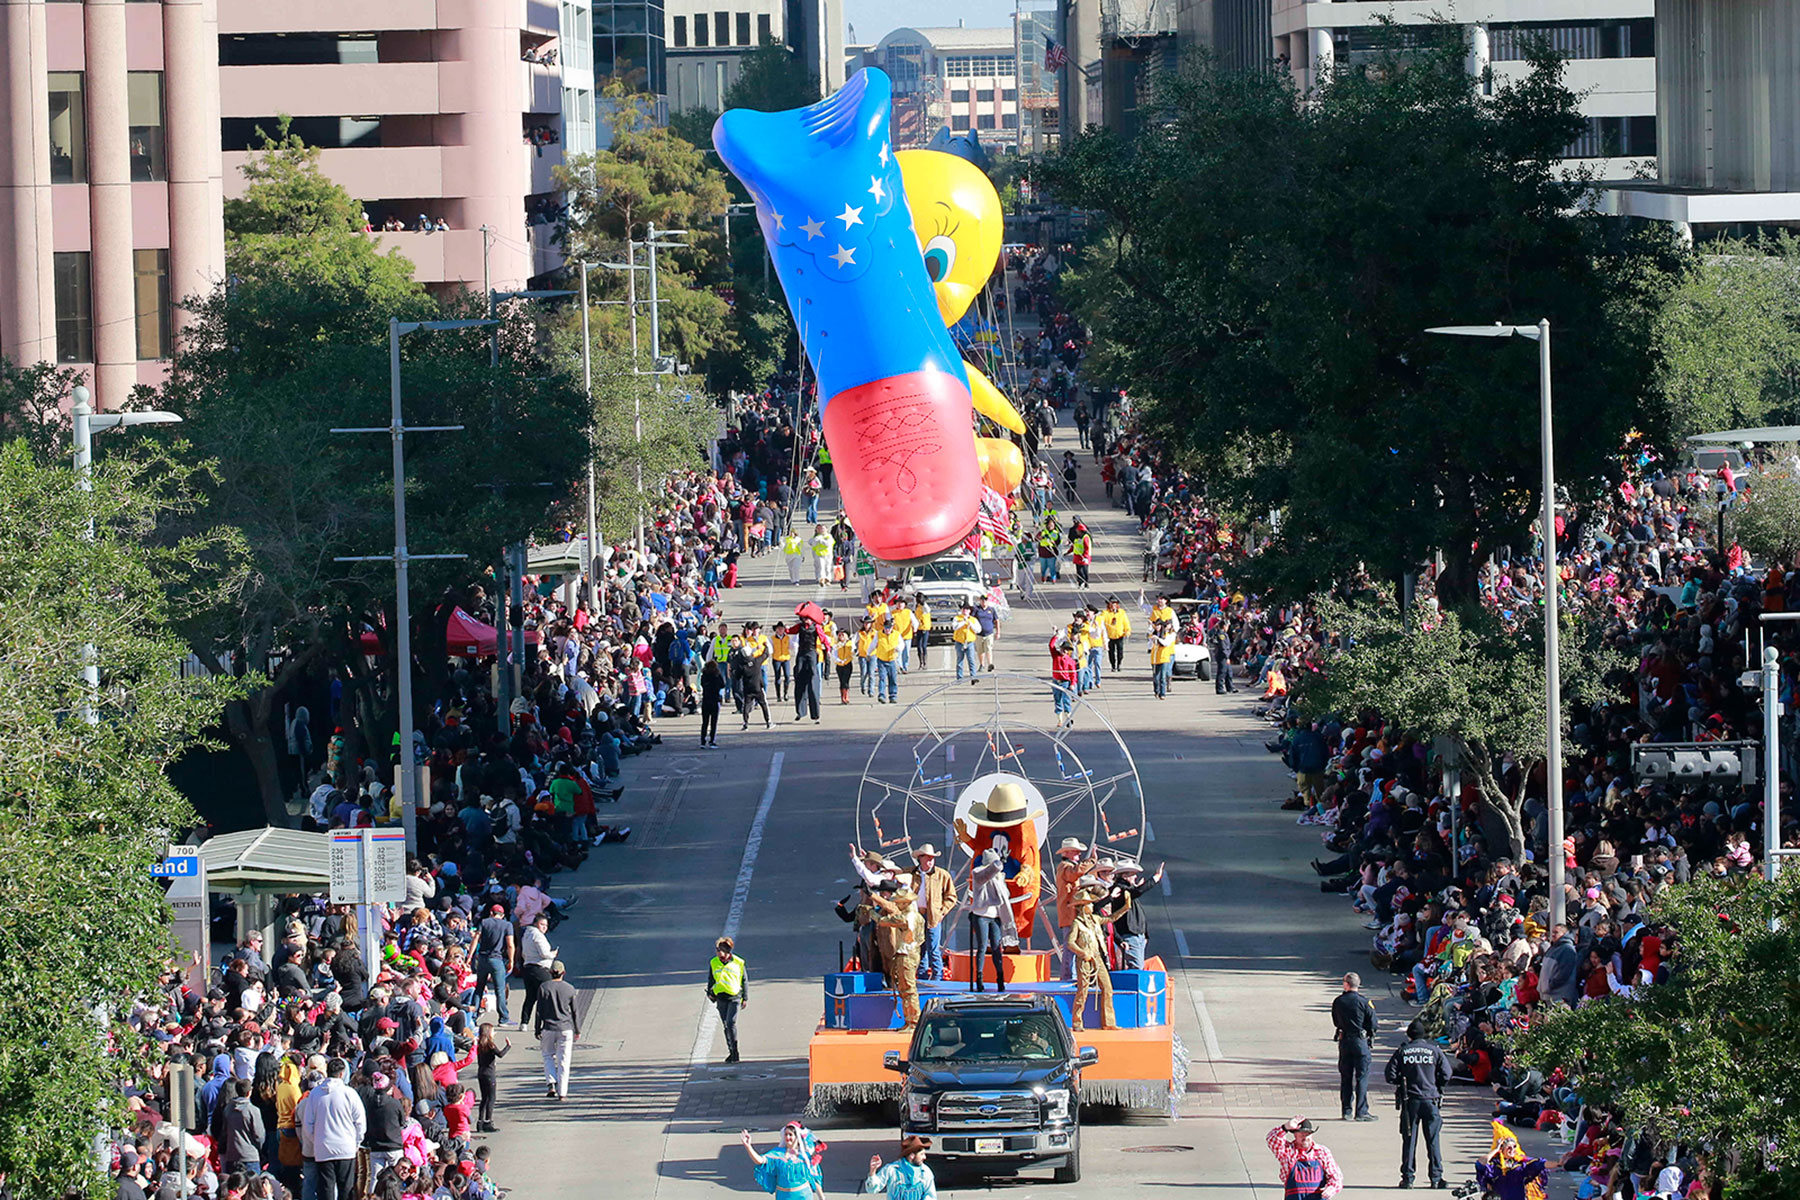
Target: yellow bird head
point(956, 215)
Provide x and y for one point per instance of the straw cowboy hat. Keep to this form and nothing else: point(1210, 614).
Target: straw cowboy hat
point(874, 860)
point(926, 851)
point(1004, 806)
point(1071, 844)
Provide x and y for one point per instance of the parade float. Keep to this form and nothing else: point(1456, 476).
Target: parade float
point(975, 768)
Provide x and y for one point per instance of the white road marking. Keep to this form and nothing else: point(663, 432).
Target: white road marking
point(1149, 830)
point(1208, 1034)
point(734, 915)
point(1167, 890)
point(1181, 944)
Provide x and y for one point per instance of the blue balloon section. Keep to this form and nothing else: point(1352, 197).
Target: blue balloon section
point(829, 198)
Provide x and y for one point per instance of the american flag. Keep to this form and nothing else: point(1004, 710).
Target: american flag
point(994, 519)
point(1055, 57)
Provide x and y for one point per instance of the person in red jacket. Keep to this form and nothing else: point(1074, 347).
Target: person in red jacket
point(1063, 669)
point(458, 1102)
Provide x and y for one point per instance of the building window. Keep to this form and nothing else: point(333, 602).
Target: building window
point(1576, 39)
point(68, 130)
point(151, 271)
point(764, 33)
point(1009, 94)
point(960, 122)
point(721, 29)
point(144, 101)
point(1615, 137)
point(978, 66)
point(984, 94)
point(1009, 121)
point(985, 121)
point(959, 95)
point(74, 308)
point(743, 28)
point(700, 30)
point(680, 31)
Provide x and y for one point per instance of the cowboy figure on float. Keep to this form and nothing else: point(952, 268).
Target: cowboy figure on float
point(1003, 822)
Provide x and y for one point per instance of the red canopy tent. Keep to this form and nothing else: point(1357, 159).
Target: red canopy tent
point(463, 635)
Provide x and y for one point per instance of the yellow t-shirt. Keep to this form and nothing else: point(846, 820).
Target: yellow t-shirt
point(887, 644)
point(865, 642)
point(1117, 623)
point(1160, 653)
point(922, 618)
point(756, 645)
point(964, 630)
point(842, 652)
point(877, 611)
point(781, 647)
point(1162, 612)
point(904, 624)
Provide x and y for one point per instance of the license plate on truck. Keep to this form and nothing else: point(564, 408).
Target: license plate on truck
point(990, 1145)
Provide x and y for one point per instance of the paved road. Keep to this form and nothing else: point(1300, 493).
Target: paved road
point(751, 838)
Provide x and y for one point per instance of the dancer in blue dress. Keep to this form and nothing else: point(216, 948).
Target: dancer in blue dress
point(787, 1172)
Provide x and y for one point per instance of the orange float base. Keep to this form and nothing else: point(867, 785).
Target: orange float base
point(1021, 966)
point(844, 1065)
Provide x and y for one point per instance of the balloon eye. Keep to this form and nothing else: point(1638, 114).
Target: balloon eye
point(940, 256)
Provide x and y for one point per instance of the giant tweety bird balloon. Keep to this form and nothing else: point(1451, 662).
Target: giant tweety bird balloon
point(960, 226)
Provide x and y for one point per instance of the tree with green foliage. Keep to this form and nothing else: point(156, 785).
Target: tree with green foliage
point(296, 346)
point(1765, 519)
point(1729, 338)
point(679, 417)
point(86, 807)
point(34, 404)
point(1462, 676)
point(302, 272)
point(648, 175)
point(1270, 261)
point(1705, 1059)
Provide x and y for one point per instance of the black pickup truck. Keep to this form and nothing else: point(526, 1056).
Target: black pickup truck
point(995, 1082)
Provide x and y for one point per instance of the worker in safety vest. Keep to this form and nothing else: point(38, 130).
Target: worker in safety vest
point(793, 549)
point(728, 987)
point(821, 548)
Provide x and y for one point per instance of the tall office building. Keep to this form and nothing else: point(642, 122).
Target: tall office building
point(110, 187)
point(1610, 46)
point(452, 110)
point(956, 79)
point(707, 45)
point(1728, 113)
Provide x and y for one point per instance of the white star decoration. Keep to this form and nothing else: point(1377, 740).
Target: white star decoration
point(844, 257)
point(813, 228)
point(884, 154)
point(876, 190)
point(850, 216)
point(780, 221)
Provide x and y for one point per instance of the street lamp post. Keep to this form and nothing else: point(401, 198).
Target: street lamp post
point(1540, 333)
point(405, 773)
point(596, 588)
point(86, 423)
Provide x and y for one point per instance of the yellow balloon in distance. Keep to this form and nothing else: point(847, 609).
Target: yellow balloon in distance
point(957, 218)
point(991, 403)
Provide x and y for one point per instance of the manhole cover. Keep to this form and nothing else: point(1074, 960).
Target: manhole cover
point(1156, 1149)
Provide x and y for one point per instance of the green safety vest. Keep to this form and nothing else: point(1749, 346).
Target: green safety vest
point(727, 977)
point(790, 545)
point(721, 647)
point(824, 455)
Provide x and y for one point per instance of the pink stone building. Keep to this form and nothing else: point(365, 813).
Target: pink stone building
point(110, 184)
point(451, 110)
point(127, 122)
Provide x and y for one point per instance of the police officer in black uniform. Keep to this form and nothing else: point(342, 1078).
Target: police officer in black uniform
point(1419, 1070)
point(1354, 1017)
